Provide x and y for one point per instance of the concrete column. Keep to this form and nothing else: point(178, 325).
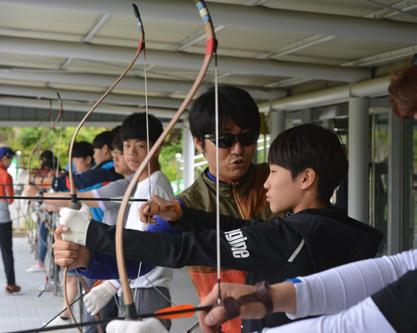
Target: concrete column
point(400, 173)
point(188, 156)
point(358, 153)
point(276, 123)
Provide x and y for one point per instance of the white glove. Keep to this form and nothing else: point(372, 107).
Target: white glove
point(149, 325)
point(77, 221)
point(99, 296)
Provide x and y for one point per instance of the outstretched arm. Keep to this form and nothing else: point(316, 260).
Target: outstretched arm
point(86, 179)
point(31, 190)
point(328, 292)
point(240, 248)
point(339, 288)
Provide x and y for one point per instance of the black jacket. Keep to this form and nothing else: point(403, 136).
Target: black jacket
point(304, 243)
point(398, 303)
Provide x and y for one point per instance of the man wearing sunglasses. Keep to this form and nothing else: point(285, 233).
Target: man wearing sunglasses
point(241, 181)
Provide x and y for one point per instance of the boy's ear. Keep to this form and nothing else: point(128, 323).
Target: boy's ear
point(89, 159)
point(198, 145)
point(308, 178)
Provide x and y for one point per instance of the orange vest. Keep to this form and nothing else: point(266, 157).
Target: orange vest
point(5, 179)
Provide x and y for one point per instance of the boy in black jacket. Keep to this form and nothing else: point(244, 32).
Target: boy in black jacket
point(306, 165)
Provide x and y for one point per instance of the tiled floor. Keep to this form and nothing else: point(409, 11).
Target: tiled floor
point(26, 310)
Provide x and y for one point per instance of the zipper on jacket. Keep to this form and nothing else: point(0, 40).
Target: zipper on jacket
point(238, 201)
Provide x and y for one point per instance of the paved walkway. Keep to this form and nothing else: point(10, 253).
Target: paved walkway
point(26, 310)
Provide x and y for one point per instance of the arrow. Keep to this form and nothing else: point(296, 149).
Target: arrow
point(117, 199)
point(172, 312)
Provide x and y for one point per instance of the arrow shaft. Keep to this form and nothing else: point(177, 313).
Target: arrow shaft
point(17, 197)
point(105, 321)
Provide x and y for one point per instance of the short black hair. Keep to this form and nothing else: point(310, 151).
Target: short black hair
point(48, 160)
point(82, 149)
point(104, 138)
point(117, 140)
point(134, 127)
point(311, 146)
point(235, 104)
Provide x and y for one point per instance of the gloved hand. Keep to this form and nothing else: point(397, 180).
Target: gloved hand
point(149, 325)
point(77, 221)
point(99, 296)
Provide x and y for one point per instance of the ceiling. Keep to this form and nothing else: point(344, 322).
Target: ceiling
point(281, 51)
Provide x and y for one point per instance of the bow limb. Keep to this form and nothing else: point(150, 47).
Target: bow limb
point(74, 201)
point(210, 50)
point(94, 107)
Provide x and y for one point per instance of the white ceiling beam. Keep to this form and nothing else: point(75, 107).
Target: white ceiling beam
point(67, 123)
point(385, 57)
point(286, 83)
point(245, 17)
point(89, 97)
point(296, 46)
point(82, 107)
point(255, 2)
point(98, 24)
point(312, 40)
point(100, 21)
point(233, 65)
point(367, 88)
point(134, 83)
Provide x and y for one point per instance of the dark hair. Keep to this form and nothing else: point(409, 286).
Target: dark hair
point(134, 127)
point(104, 138)
point(235, 104)
point(48, 160)
point(117, 140)
point(311, 146)
point(403, 92)
point(82, 149)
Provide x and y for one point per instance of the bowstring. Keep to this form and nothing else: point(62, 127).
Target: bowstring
point(149, 173)
point(216, 112)
point(145, 75)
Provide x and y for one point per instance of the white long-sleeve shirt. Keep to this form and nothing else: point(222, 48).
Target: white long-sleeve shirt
point(343, 294)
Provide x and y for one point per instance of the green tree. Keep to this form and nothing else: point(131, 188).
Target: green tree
point(57, 140)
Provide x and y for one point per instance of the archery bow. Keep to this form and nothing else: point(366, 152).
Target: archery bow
point(211, 45)
point(74, 201)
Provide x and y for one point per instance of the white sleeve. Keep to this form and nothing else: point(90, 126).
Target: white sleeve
point(364, 317)
point(339, 288)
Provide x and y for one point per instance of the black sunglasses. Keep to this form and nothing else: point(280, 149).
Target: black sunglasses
point(227, 140)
